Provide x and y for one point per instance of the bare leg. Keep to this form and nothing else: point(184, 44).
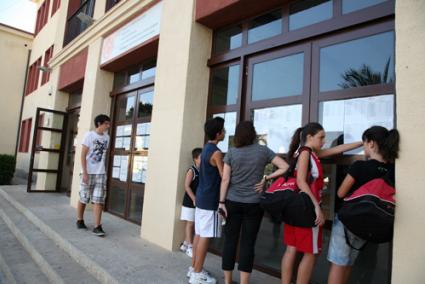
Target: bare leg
point(245, 277)
point(201, 253)
point(97, 213)
point(305, 268)
point(228, 276)
point(194, 248)
point(189, 232)
point(80, 210)
point(339, 274)
point(287, 265)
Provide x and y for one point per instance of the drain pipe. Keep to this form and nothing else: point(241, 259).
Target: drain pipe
point(22, 105)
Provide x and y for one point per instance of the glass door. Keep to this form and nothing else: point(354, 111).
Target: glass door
point(129, 154)
point(47, 152)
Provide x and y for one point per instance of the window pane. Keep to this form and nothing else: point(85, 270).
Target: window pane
point(140, 169)
point(229, 126)
point(281, 77)
point(134, 75)
point(360, 62)
point(276, 125)
point(149, 69)
point(346, 120)
point(136, 206)
point(119, 80)
point(265, 26)
point(145, 104)
point(120, 167)
point(225, 85)
point(142, 136)
point(307, 12)
point(117, 200)
point(125, 108)
point(349, 6)
point(227, 39)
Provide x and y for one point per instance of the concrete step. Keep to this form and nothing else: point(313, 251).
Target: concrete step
point(52, 260)
point(16, 264)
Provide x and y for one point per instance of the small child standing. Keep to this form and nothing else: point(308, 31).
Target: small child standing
point(188, 207)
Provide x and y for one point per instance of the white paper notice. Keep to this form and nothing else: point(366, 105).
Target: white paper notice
point(126, 143)
point(117, 161)
point(120, 130)
point(127, 130)
point(115, 172)
point(124, 168)
point(118, 142)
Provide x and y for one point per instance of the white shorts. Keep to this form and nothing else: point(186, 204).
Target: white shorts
point(207, 223)
point(187, 214)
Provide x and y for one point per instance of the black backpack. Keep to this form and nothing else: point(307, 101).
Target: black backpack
point(283, 201)
point(369, 212)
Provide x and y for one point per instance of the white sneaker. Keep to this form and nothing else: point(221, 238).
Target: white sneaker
point(189, 251)
point(201, 278)
point(191, 269)
point(183, 247)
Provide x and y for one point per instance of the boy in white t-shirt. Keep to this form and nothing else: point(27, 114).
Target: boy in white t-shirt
point(93, 174)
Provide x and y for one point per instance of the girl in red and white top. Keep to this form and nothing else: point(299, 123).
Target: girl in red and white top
point(309, 174)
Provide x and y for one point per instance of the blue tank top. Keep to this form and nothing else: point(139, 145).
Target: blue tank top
point(208, 191)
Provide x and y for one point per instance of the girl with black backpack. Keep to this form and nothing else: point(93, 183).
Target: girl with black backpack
point(380, 149)
point(305, 151)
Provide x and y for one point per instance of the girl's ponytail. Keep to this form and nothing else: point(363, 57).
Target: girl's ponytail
point(391, 146)
point(295, 144)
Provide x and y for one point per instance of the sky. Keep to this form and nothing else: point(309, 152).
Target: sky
point(20, 14)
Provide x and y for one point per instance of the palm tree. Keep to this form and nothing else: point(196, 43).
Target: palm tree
point(365, 76)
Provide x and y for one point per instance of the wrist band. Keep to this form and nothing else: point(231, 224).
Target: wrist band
point(222, 202)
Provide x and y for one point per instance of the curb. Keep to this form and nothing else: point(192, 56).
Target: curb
point(92, 267)
point(35, 255)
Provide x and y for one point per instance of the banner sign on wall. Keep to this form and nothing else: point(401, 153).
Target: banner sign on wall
point(134, 33)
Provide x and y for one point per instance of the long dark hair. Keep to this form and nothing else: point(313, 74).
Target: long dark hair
point(244, 134)
point(387, 141)
point(300, 136)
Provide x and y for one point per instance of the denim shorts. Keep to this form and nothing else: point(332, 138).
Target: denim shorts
point(340, 253)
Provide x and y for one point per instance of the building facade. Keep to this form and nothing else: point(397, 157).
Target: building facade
point(15, 46)
point(160, 68)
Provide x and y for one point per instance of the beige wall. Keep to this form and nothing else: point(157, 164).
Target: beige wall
point(181, 89)
point(14, 47)
point(409, 247)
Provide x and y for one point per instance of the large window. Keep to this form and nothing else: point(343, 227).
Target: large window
point(299, 64)
point(25, 135)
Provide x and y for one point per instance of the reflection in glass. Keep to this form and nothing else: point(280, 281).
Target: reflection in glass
point(265, 26)
point(346, 120)
point(125, 108)
point(229, 126)
point(275, 126)
point(360, 62)
point(307, 12)
point(44, 181)
point(145, 104)
point(136, 206)
point(349, 6)
point(148, 69)
point(280, 77)
point(225, 85)
point(227, 39)
point(116, 200)
point(134, 75)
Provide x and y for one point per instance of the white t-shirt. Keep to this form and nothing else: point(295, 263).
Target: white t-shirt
point(97, 144)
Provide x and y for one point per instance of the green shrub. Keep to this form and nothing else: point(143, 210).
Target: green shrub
point(7, 169)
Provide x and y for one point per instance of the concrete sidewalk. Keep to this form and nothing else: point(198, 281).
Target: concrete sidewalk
point(122, 256)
